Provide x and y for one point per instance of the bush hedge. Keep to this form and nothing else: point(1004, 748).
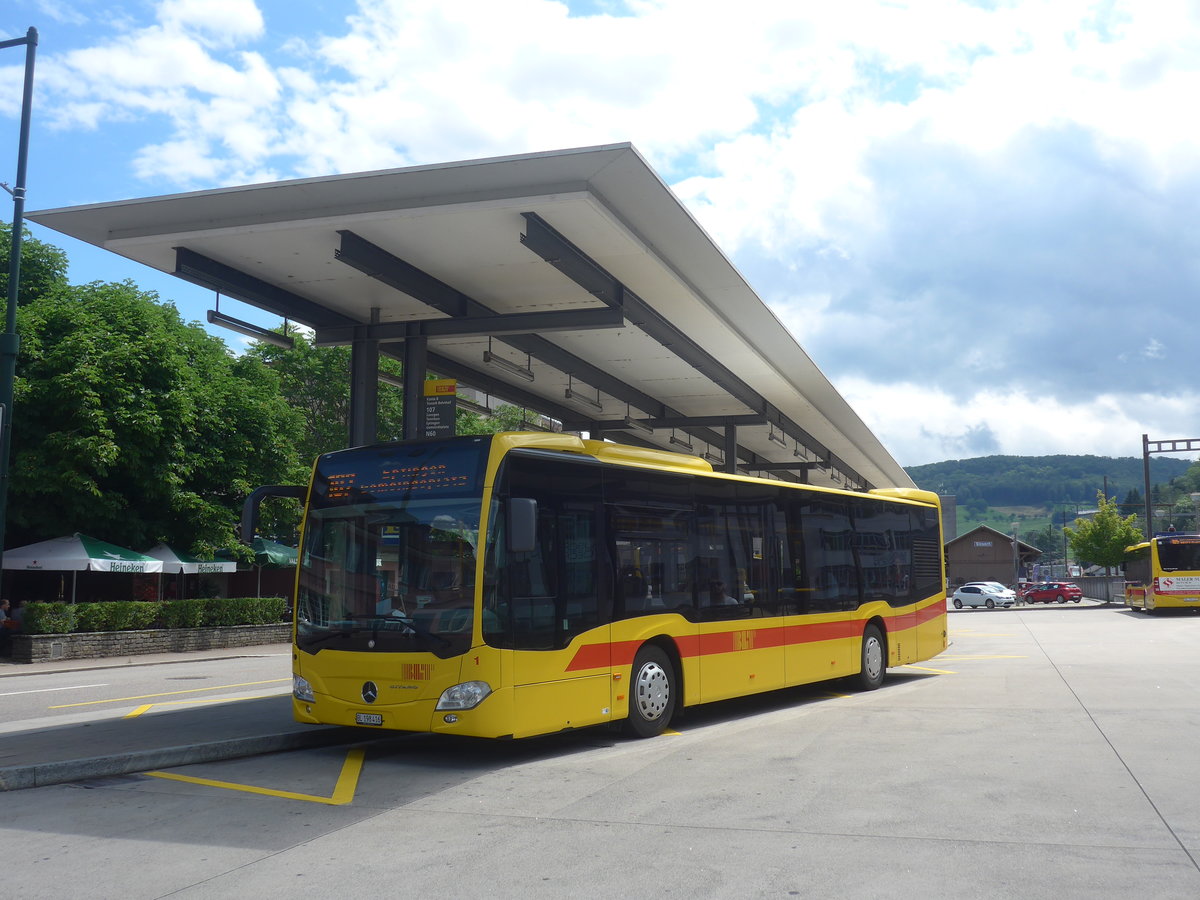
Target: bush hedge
point(133, 615)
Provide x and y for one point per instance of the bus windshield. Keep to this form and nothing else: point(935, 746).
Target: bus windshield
point(390, 543)
point(389, 577)
point(1179, 554)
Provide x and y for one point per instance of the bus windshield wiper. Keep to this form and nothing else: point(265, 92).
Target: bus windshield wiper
point(427, 637)
point(321, 638)
point(411, 625)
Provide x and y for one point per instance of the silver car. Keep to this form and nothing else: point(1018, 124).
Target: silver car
point(989, 595)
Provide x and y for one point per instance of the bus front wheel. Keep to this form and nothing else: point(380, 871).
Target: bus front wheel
point(651, 694)
point(874, 659)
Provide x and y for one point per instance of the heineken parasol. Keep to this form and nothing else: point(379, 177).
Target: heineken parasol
point(79, 553)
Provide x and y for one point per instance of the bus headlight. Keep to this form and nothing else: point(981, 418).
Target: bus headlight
point(467, 695)
point(301, 689)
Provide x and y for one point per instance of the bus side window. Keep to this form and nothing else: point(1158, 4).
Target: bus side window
point(830, 561)
point(653, 558)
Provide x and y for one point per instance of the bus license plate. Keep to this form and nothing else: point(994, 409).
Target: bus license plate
point(368, 719)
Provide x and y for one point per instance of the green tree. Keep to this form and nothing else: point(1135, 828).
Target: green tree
point(315, 381)
point(1102, 539)
point(503, 418)
point(136, 427)
point(43, 266)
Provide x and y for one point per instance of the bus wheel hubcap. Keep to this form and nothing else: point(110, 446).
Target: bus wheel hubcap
point(653, 691)
point(873, 658)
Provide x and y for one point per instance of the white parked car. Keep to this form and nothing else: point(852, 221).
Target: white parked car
point(983, 593)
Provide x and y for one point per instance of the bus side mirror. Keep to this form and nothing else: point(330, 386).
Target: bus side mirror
point(249, 524)
point(522, 525)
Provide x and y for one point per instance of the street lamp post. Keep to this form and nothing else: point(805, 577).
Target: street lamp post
point(10, 344)
point(1016, 558)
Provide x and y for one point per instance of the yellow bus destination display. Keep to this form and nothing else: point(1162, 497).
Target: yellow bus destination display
point(401, 473)
point(405, 481)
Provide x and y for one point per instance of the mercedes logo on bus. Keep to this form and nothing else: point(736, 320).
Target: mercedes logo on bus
point(369, 692)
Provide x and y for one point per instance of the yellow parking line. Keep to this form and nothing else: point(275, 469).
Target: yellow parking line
point(343, 791)
point(215, 687)
point(927, 669)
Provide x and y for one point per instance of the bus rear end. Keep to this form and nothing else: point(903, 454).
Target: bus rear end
point(1163, 573)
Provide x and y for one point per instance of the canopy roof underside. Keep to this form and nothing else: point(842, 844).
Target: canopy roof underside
point(592, 231)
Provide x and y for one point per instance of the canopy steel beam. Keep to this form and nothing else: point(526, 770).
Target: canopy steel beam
point(541, 238)
point(699, 421)
point(377, 263)
point(208, 273)
point(515, 323)
point(801, 466)
point(431, 291)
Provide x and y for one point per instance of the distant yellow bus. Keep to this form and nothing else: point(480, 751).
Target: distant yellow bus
point(522, 584)
point(1163, 573)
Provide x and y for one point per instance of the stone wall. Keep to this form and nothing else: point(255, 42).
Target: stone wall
point(30, 648)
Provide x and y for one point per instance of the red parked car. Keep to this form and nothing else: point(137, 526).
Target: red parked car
point(1053, 592)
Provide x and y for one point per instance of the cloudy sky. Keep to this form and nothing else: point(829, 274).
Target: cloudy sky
point(981, 218)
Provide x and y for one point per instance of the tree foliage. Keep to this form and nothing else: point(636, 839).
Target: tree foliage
point(1040, 480)
point(315, 381)
point(136, 427)
point(1102, 539)
point(43, 266)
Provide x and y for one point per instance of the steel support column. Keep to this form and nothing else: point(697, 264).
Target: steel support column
point(364, 390)
point(416, 361)
point(731, 448)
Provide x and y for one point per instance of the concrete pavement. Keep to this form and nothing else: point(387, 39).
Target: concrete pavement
point(42, 751)
point(37, 752)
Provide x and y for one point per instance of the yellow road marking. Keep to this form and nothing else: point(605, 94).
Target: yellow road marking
point(927, 669)
point(343, 791)
point(133, 714)
point(215, 687)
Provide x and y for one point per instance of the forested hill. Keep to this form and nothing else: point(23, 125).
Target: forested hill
point(1038, 480)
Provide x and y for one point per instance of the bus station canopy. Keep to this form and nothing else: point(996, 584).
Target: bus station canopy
point(572, 283)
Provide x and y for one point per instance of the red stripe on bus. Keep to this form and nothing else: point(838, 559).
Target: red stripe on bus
point(621, 653)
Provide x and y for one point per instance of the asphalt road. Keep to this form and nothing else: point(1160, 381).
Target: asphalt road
point(1049, 753)
point(99, 690)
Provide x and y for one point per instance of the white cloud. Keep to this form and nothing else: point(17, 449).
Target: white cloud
point(919, 424)
point(219, 21)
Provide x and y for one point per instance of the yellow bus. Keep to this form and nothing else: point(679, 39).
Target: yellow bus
point(1163, 573)
point(521, 584)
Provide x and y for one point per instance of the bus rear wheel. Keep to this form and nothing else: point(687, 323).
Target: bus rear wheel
point(652, 693)
point(874, 659)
